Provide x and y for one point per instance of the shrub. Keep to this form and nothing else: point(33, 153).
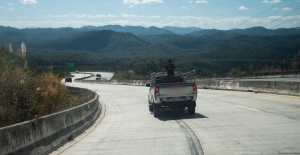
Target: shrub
point(25, 95)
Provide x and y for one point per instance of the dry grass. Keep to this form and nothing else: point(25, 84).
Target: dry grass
point(52, 92)
point(25, 95)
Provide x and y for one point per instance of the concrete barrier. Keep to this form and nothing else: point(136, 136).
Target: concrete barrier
point(290, 74)
point(116, 82)
point(275, 87)
point(46, 134)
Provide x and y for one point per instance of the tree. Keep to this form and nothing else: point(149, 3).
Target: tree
point(296, 61)
point(144, 66)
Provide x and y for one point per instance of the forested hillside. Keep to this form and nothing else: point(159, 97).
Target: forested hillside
point(254, 31)
point(213, 50)
point(239, 47)
point(92, 41)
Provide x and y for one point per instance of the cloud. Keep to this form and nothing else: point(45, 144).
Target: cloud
point(271, 1)
point(28, 1)
point(91, 16)
point(190, 1)
point(130, 16)
point(154, 16)
point(286, 9)
point(112, 16)
point(270, 22)
point(79, 16)
point(184, 7)
point(151, 1)
point(8, 8)
point(243, 8)
point(228, 23)
point(132, 2)
point(201, 1)
point(59, 16)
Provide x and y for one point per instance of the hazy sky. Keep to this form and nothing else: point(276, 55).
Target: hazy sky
point(207, 14)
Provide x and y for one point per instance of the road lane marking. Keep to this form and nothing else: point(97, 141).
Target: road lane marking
point(247, 108)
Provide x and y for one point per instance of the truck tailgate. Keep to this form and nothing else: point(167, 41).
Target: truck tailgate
point(175, 90)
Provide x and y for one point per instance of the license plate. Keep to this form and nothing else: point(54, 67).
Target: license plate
point(175, 99)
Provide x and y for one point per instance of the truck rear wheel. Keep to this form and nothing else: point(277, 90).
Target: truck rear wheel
point(156, 110)
point(150, 105)
point(151, 108)
point(191, 108)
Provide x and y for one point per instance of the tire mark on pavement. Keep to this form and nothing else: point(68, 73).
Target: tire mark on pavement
point(193, 141)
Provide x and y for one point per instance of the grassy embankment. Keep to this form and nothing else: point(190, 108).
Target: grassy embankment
point(27, 94)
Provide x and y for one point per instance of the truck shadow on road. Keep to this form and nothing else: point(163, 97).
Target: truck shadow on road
point(167, 115)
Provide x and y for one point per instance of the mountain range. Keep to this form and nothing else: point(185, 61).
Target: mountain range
point(10, 34)
point(133, 42)
point(94, 40)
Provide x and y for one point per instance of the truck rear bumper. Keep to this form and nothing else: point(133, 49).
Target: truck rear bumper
point(178, 105)
point(176, 99)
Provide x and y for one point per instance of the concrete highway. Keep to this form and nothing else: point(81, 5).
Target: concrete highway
point(81, 75)
point(106, 75)
point(225, 122)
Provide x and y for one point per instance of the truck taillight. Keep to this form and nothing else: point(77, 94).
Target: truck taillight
point(156, 91)
point(195, 89)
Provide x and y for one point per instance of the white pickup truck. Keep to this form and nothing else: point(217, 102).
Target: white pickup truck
point(175, 93)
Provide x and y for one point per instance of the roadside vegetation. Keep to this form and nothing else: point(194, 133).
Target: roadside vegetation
point(140, 69)
point(27, 93)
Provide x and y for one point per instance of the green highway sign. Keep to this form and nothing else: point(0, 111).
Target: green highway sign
point(70, 65)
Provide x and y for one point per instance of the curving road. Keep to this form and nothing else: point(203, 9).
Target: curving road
point(107, 75)
point(225, 122)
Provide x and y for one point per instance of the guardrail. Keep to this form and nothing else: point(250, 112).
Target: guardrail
point(46, 134)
